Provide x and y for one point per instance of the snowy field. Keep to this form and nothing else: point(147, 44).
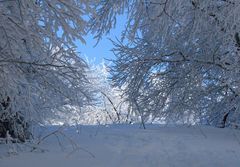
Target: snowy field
point(129, 146)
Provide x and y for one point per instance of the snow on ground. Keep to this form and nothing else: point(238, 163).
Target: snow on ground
point(129, 146)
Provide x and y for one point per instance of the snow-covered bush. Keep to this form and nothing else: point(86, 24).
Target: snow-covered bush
point(109, 100)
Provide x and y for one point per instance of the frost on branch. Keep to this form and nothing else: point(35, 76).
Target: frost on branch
point(40, 71)
point(182, 61)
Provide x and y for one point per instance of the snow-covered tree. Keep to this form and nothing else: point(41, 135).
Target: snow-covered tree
point(181, 60)
point(40, 68)
point(110, 103)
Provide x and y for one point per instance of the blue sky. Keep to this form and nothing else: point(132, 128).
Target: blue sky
point(102, 50)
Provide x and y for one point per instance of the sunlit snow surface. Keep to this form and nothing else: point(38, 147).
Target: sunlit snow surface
point(130, 146)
